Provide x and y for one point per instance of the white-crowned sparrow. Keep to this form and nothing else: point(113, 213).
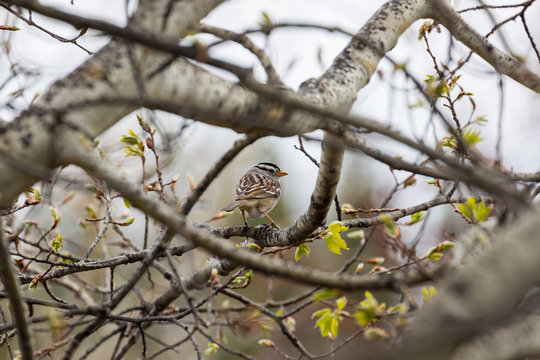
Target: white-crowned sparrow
point(257, 192)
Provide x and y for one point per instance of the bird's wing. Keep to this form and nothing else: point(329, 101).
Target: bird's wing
point(256, 186)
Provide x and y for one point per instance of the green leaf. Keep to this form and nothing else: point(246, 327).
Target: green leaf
point(369, 301)
point(291, 323)
point(325, 294)
point(143, 124)
point(376, 333)
point(211, 349)
point(265, 20)
point(254, 247)
point(435, 256)
point(465, 211)
point(482, 212)
point(480, 120)
point(417, 217)
point(334, 324)
point(445, 245)
point(400, 308)
point(325, 321)
point(321, 312)
point(364, 316)
point(390, 226)
point(341, 302)
point(471, 137)
point(127, 222)
point(127, 203)
point(449, 142)
point(57, 244)
point(428, 293)
point(333, 239)
point(266, 342)
point(476, 212)
point(434, 253)
point(56, 216)
point(134, 145)
point(301, 249)
point(357, 234)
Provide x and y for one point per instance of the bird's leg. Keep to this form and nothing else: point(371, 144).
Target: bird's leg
point(244, 217)
point(271, 221)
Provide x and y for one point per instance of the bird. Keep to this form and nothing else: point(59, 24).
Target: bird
point(257, 192)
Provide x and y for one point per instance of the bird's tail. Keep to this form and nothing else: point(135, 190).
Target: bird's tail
point(232, 206)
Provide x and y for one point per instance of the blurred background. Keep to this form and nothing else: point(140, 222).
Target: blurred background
point(31, 60)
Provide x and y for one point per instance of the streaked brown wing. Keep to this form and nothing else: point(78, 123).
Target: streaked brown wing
point(256, 186)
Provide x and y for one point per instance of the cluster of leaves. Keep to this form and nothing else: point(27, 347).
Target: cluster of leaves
point(368, 312)
point(332, 238)
point(475, 211)
point(134, 144)
point(329, 319)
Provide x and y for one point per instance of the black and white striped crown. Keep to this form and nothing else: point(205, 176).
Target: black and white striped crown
point(268, 167)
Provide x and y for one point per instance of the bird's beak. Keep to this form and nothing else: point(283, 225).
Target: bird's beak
point(281, 173)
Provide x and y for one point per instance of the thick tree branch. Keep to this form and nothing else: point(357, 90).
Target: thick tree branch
point(480, 295)
point(518, 340)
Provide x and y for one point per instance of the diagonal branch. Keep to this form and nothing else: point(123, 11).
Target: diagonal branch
point(501, 62)
point(15, 300)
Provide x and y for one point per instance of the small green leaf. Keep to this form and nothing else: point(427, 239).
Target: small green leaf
point(143, 124)
point(254, 247)
point(325, 323)
point(301, 249)
point(376, 333)
point(56, 216)
point(35, 281)
point(445, 245)
point(357, 234)
point(266, 342)
point(334, 324)
point(364, 316)
point(57, 244)
point(127, 203)
point(480, 120)
point(333, 239)
point(291, 323)
point(321, 312)
point(417, 217)
point(325, 294)
point(390, 226)
point(211, 349)
point(265, 20)
point(465, 211)
point(341, 302)
point(435, 256)
point(428, 293)
point(127, 222)
point(482, 212)
point(400, 308)
point(471, 137)
point(369, 300)
point(134, 145)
